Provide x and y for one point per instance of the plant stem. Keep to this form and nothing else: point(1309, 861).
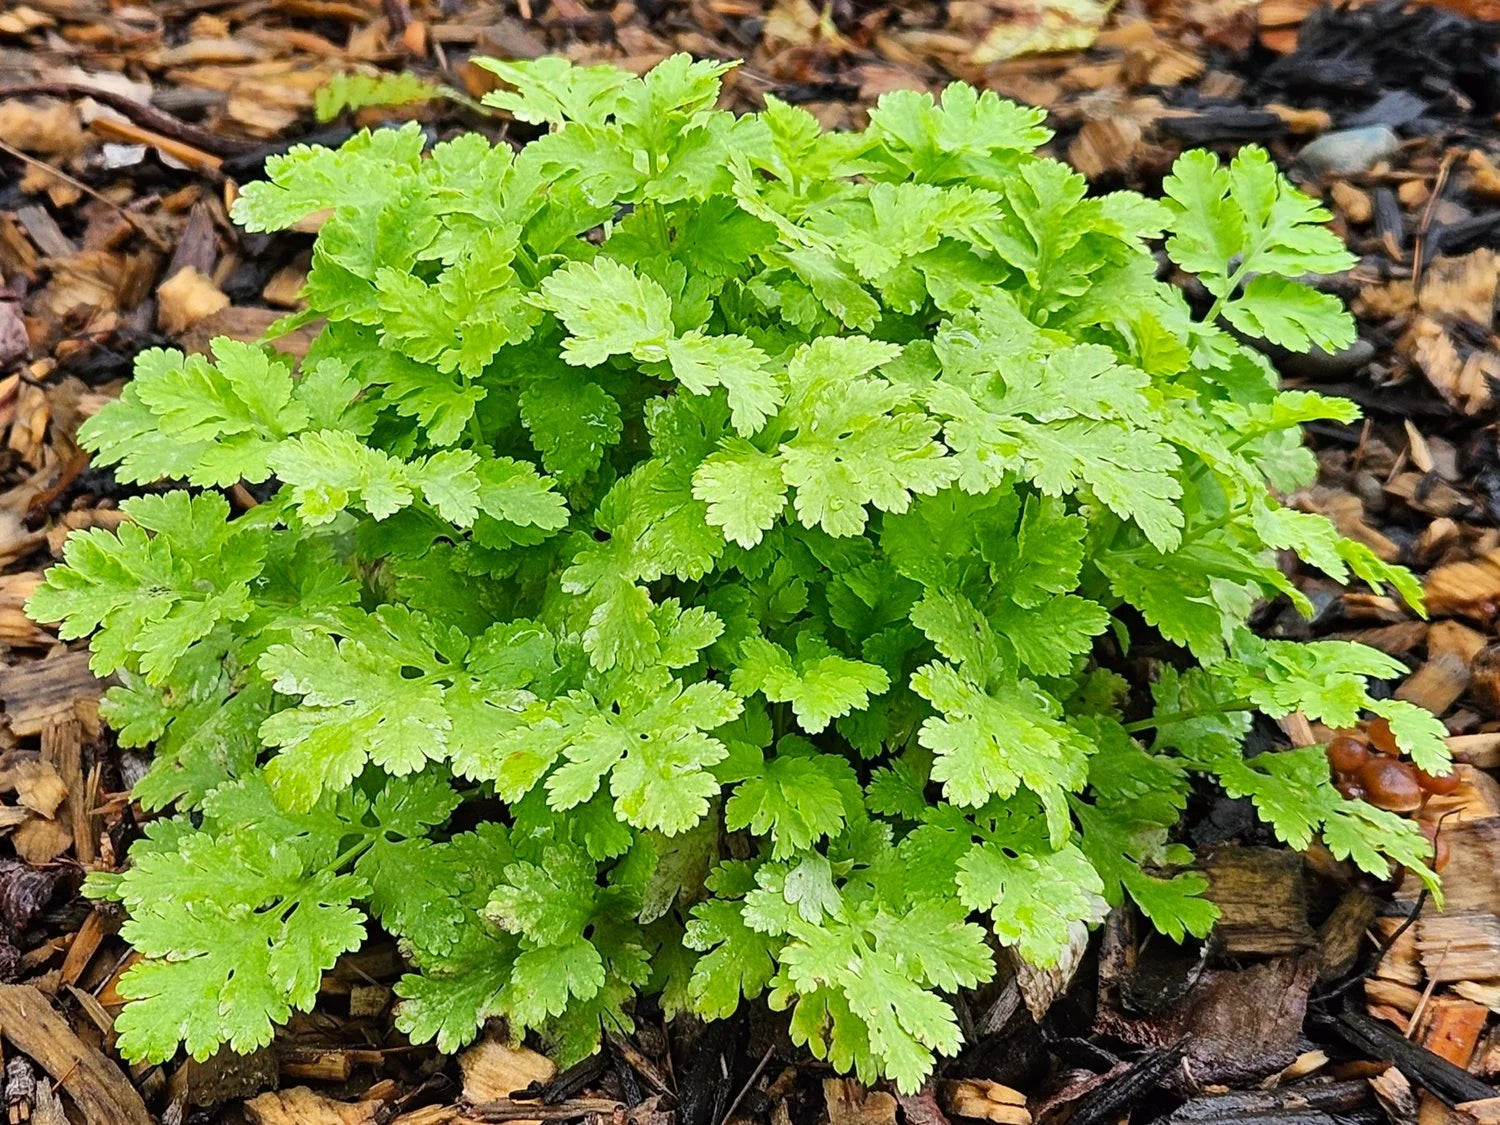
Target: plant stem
point(353, 852)
point(1184, 716)
point(474, 431)
point(1222, 521)
point(659, 217)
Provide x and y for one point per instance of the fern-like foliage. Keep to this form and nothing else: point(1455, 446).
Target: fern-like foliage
point(690, 486)
point(359, 91)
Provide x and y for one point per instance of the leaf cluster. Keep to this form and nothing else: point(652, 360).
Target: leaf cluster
point(739, 522)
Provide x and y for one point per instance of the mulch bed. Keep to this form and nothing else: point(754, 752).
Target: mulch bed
point(124, 131)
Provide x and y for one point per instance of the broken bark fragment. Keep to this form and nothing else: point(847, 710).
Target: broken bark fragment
point(1262, 901)
point(102, 1093)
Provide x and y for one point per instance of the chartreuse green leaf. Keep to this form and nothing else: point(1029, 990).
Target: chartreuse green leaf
point(358, 91)
point(685, 493)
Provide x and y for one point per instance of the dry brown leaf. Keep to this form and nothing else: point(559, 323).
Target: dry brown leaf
point(1028, 27)
point(186, 298)
point(39, 840)
point(89, 279)
point(1105, 145)
point(1462, 287)
point(47, 128)
point(798, 23)
point(36, 784)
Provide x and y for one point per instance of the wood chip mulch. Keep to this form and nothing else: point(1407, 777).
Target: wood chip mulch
point(124, 132)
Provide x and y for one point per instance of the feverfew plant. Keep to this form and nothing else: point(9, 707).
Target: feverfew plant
point(695, 559)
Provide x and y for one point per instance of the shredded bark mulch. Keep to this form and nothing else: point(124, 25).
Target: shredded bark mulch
point(1321, 998)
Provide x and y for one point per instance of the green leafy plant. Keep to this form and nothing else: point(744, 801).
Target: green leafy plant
point(359, 91)
point(740, 528)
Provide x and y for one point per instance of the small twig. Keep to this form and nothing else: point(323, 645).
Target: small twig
point(63, 1081)
point(1427, 992)
point(1384, 948)
point(508, 1110)
point(1232, 707)
point(52, 170)
point(745, 1089)
point(139, 112)
point(1425, 224)
point(398, 13)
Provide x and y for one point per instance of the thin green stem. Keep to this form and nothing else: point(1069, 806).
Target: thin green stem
point(1239, 443)
point(1197, 531)
point(1233, 283)
point(1214, 525)
point(1156, 721)
point(354, 851)
point(474, 431)
point(659, 218)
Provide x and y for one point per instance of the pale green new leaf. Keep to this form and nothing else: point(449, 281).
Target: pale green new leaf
point(1034, 899)
point(701, 362)
point(820, 684)
point(743, 490)
point(608, 310)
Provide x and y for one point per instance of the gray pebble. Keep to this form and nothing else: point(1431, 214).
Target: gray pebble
point(1348, 151)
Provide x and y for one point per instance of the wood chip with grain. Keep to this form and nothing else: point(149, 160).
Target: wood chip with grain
point(982, 1100)
point(96, 1085)
point(301, 1106)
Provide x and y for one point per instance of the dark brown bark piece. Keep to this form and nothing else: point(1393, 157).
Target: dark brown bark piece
point(1306, 1103)
point(1262, 901)
point(1342, 934)
point(1451, 1083)
point(99, 1088)
point(1243, 1026)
